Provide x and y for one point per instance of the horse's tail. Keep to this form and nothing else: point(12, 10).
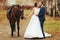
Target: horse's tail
point(7, 15)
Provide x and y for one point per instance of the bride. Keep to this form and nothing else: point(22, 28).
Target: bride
point(33, 29)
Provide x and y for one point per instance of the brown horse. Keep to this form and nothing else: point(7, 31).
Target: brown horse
point(14, 16)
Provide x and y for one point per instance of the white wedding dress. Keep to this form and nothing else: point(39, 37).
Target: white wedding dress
point(34, 29)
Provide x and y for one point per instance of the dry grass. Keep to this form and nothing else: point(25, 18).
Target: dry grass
point(51, 26)
point(2, 15)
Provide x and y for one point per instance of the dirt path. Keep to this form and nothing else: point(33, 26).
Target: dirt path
point(5, 30)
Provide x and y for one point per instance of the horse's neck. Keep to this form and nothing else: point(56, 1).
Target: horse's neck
point(14, 11)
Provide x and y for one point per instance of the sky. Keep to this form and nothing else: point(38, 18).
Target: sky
point(19, 2)
point(11, 2)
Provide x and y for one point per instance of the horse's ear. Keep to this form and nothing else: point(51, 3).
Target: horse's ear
point(17, 6)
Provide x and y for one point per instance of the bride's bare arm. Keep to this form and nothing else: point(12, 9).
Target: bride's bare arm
point(31, 14)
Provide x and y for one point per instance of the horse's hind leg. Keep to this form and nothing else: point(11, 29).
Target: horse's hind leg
point(14, 28)
point(11, 25)
point(18, 27)
point(12, 32)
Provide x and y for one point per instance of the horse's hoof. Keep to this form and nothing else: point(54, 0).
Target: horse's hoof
point(18, 35)
point(12, 36)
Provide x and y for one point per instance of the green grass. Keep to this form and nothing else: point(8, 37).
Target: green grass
point(27, 12)
point(50, 25)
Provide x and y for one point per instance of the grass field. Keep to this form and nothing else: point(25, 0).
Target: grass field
point(51, 26)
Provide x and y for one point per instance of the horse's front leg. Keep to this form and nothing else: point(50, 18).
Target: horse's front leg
point(18, 21)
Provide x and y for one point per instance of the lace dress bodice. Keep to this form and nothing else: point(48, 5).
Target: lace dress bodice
point(36, 10)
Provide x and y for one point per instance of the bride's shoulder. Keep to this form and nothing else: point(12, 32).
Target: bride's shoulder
point(34, 8)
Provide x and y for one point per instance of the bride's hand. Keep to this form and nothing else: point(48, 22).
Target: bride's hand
point(25, 17)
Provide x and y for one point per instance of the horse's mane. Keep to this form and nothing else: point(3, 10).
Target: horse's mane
point(11, 8)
